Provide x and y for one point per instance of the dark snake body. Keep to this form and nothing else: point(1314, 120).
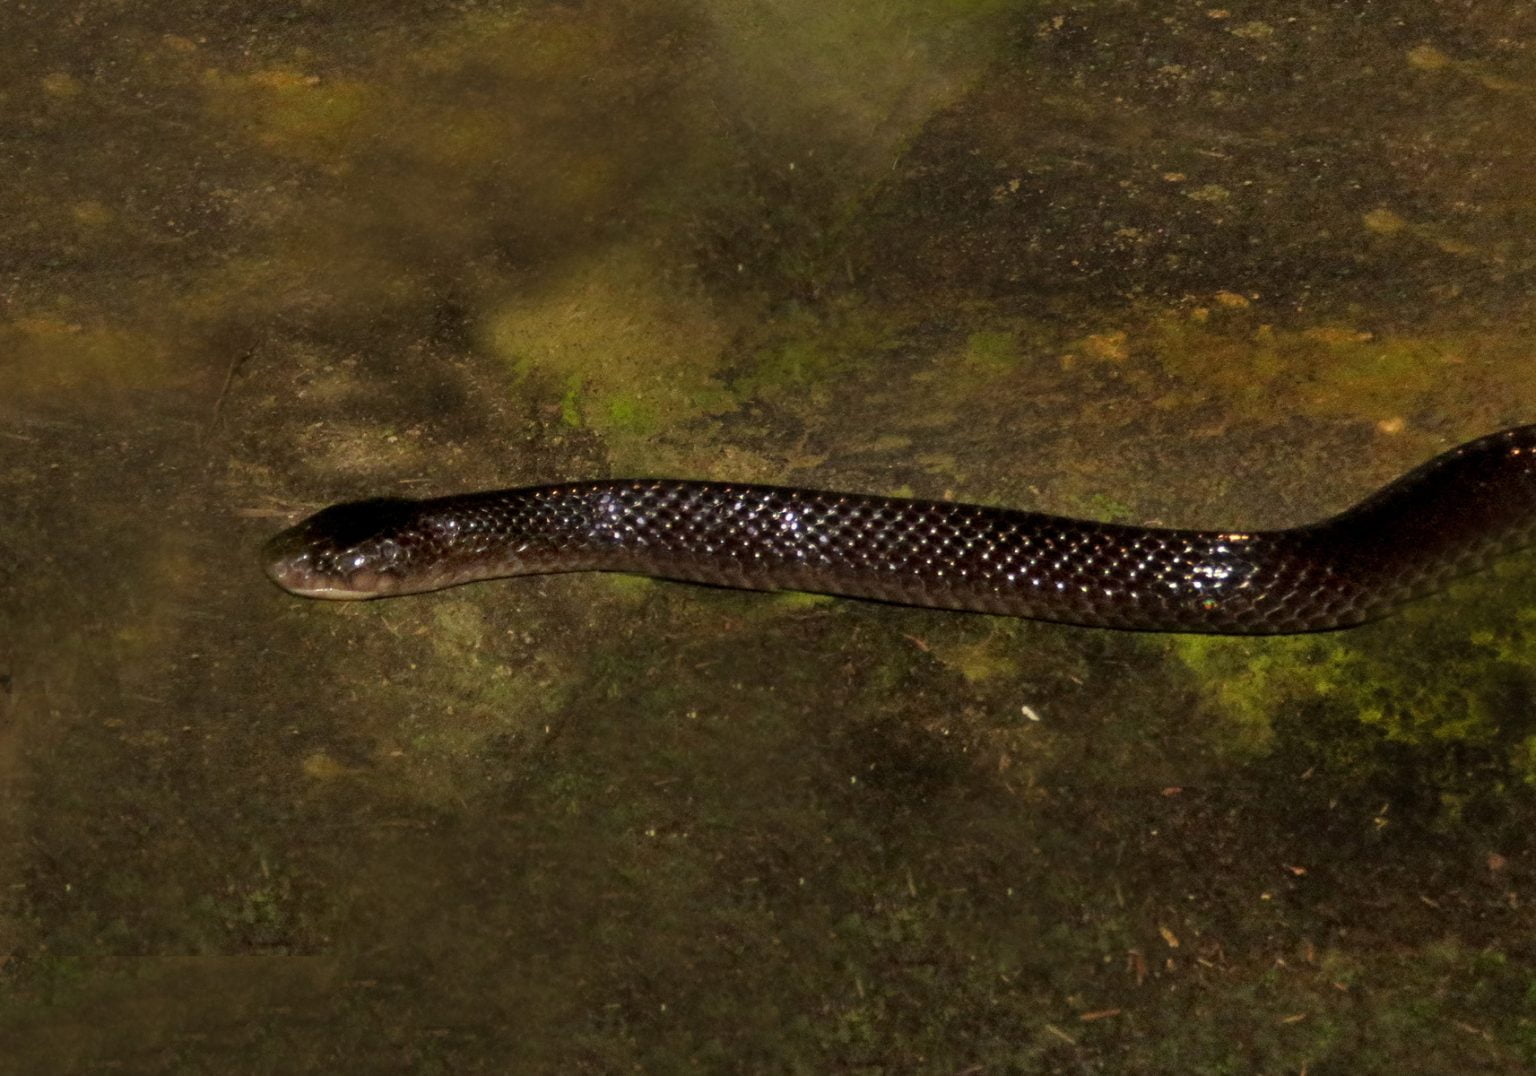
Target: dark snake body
point(1449, 517)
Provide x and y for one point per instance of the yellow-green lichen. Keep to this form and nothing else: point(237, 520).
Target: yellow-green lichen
point(293, 112)
point(1437, 675)
point(1225, 353)
point(632, 356)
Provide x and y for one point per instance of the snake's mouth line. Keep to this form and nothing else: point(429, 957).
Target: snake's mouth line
point(306, 583)
point(1446, 518)
point(329, 591)
point(331, 575)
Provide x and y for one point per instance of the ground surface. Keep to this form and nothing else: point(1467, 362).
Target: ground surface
point(1152, 262)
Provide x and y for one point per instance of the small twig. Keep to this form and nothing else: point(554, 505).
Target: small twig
point(236, 361)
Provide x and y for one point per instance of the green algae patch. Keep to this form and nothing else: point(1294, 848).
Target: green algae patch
point(626, 590)
point(979, 660)
point(992, 352)
point(1248, 679)
point(804, 364)
point(812, 356)
point(1442, 680)
point(628, 355)
point(857, 358)
point(794, 366)
point(456, 697)
point(792, 601)
point(988, 364)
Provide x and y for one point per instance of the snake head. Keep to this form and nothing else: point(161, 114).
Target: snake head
point(363, 549)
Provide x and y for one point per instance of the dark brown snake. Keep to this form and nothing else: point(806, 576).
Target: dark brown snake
point(1449, 517)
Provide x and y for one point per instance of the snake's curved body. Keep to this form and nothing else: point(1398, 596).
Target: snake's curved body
point(1448, 517)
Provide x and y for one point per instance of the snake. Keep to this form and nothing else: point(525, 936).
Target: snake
point(1447, 518)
